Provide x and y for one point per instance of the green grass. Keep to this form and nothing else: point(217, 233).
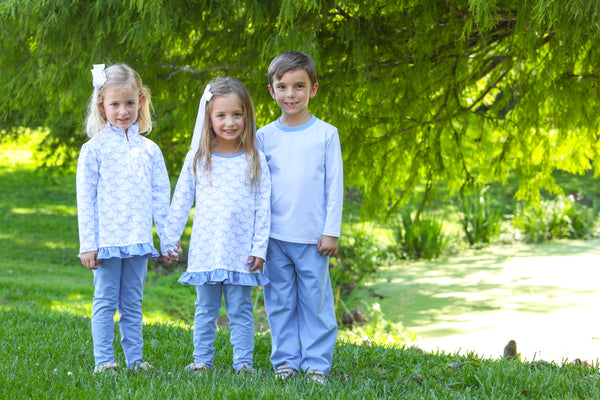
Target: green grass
point(48, 354)
point(45, 335)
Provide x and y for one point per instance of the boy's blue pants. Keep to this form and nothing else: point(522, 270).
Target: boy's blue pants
point(118, 284)
point(299, 305)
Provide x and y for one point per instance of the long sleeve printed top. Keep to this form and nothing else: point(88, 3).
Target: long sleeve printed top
point(122, 186)
point(307, 178)
point(231, 221)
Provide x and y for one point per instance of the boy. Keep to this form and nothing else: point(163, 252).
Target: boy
point(305, 160)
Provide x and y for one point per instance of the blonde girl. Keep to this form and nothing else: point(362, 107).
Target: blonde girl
point(228, 178)
point(122, 187)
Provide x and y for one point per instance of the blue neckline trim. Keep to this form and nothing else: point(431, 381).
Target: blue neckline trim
point(312, 120)
point(228, 155)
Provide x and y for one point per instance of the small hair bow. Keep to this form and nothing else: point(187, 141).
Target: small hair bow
point(206, 96)
point(98, 75)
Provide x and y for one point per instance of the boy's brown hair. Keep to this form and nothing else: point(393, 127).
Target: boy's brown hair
point(290, 61)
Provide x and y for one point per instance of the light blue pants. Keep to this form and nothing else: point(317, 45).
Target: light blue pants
point(238, 304)
point(299, 305)
point(118, 283)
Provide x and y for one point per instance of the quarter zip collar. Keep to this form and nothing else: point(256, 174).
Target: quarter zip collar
point(132, 131)
point(128, 141)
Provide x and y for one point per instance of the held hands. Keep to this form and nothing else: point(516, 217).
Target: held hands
point(255, 263)
point(328, 246)
point(89, 259)
point(173, 256)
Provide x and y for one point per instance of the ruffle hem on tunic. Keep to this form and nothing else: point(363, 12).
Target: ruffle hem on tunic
point(132, 250)
point(223, 276)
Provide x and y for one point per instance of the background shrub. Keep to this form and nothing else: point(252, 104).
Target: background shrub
point(560, 218)
point(419, 236)
point(362, 249)
point(480, 220)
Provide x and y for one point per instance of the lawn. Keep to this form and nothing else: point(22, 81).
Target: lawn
point(45, 337)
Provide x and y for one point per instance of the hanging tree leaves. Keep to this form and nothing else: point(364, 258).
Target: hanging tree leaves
point(424, 93)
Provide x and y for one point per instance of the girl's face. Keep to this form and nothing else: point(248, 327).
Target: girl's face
point(227, 120)
point(121, 106)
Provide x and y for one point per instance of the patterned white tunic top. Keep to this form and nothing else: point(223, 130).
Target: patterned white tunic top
point(231, 222)
point(122, 185)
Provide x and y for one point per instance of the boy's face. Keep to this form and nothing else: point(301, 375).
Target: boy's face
point(292, 93)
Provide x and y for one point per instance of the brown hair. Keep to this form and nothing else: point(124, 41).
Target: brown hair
point(290, 61)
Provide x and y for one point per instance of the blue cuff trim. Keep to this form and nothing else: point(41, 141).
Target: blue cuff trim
point(223, 276)
point(132, 250)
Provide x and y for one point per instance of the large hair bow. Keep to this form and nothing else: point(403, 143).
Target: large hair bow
point(98, 75)
point(206, 96)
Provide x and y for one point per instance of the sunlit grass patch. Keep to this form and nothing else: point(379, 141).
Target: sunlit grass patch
point(19, 149)
point(54, 209)
point(75, 304)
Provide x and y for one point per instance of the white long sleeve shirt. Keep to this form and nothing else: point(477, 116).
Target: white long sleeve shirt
point(307, 180)
point(122, 186)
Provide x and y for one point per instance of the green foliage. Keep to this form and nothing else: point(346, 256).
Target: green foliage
point(420, 236)
point(560, 218)
point(438, 92)
point(361, 251)
point(479, 218)
point(378, 330)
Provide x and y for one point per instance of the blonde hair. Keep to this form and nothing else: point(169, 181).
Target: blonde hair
point(120, 75)
point(223, 87)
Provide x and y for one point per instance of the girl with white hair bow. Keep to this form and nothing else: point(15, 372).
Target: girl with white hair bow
point(228, 179)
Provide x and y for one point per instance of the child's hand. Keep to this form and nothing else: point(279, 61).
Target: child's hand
point(168, 258)
point(89, 259)
point(173, 255)
point(255, 263)
point(328, 246)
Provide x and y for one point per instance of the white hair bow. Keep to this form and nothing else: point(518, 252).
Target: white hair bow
point(98, 75)
point(206, 96)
